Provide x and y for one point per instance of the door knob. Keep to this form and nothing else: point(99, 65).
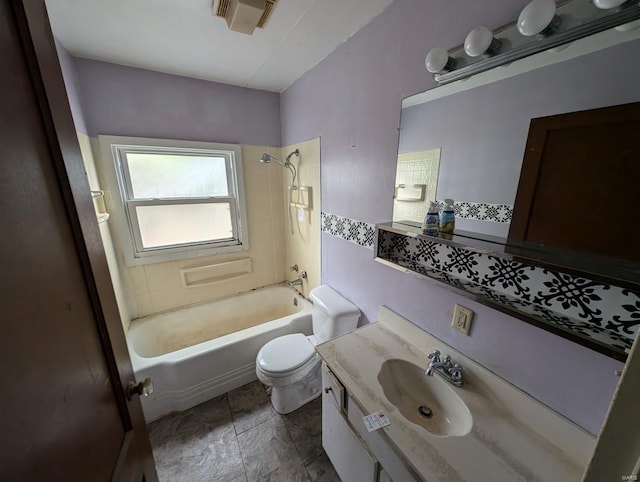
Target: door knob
point(143, 388)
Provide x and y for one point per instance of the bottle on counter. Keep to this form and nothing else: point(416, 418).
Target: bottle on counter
point(430, 223)
point(447, 217)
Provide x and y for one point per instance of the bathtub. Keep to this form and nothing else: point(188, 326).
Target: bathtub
point(195, 353)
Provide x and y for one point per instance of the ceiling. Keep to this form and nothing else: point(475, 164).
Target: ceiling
point(184, 38)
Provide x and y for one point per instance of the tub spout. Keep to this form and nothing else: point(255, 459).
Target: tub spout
point(298, 281)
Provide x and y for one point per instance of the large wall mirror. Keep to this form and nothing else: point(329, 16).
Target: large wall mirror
point(466, 140)
point(477, 128)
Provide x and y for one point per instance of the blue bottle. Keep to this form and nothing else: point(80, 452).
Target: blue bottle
point(430, 224)
point(447, 218)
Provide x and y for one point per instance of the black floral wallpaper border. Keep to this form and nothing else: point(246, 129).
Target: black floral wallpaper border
point(498, 213)
point(358, 232)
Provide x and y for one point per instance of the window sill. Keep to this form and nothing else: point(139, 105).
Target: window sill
point(185, 254)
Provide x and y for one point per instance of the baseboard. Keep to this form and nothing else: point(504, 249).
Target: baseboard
point(166, 402)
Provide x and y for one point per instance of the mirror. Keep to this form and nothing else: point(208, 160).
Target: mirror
point(480, 124)
point(477, 129)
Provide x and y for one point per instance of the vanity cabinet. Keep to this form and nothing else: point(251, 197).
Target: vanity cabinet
point(394, 467)
point(487, 430)
point(347, 453)
point(356, 454)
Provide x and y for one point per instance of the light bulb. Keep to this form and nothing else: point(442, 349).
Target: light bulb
point(536, 16)
point(437, 60)
point(608, 4)
point(479, 41)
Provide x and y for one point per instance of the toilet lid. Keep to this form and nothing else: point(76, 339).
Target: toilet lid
point(285, 353)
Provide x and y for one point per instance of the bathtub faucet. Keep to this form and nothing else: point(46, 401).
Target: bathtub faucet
point(298, 280)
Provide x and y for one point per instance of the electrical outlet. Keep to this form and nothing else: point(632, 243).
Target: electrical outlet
point(461, 320)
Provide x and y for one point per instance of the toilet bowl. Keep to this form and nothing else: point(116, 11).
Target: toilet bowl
point(291, 367)
point(289, 364)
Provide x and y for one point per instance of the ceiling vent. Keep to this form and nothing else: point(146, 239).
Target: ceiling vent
point(244, 15)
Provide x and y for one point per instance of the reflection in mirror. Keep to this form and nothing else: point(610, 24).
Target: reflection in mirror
point(416, 182)
point(480, 128)
point(481, 124)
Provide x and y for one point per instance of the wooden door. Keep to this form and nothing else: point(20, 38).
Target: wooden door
point(578, 186)
point(63, 357)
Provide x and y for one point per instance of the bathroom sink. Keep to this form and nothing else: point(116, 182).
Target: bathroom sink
point(426, 401)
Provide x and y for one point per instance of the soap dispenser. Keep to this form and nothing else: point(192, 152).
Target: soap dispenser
point(447, 218)
point(430, 223)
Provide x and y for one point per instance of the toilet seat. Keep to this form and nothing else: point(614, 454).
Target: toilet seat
point(285, 354)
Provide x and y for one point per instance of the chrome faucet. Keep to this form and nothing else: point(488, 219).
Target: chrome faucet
point(447, 369)
point(298, 281)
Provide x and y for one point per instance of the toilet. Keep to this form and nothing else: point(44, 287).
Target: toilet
point(289, 364)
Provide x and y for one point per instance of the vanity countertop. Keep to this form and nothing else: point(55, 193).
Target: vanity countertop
point(514, 437)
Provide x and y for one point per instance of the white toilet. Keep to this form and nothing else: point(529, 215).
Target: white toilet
point(289, 363)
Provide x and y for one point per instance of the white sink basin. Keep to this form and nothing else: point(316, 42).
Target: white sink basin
point(426, 401)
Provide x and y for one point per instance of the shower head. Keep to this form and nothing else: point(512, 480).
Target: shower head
point(267, 158)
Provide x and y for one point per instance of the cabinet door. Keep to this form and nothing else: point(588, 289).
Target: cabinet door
point(394, 466)
point(349, 456)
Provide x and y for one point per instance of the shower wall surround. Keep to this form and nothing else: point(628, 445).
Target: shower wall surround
point(112, 99)
point(352, 99)
point(302, 247)
point(159, 287)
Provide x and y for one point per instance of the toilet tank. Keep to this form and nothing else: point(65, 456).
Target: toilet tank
point(332, 315)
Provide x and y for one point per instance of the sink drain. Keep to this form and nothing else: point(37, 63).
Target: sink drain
point(425, 411)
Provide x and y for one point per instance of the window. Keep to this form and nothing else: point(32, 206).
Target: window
point(176, 199)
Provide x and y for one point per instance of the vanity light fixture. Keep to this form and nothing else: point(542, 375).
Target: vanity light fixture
point(538, 17)
point(438, 60)
point(481, 41)
point(542, 25)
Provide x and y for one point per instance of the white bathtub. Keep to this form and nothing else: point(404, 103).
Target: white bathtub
point(199, 352)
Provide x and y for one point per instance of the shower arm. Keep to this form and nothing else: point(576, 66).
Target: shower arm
point(267, 158)
point(287, 163)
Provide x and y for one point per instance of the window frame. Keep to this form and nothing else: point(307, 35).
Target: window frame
point(122, 205)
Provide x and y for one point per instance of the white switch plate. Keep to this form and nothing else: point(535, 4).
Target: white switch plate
point(461, 320)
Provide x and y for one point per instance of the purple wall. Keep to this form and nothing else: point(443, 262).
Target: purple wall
point(352, 100)
point(127, 101)
point(68, 66)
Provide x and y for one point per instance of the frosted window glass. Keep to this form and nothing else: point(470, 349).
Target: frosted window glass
point(184, 223)
point(176, 176)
